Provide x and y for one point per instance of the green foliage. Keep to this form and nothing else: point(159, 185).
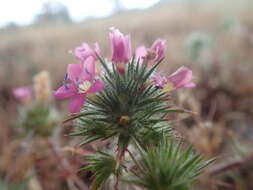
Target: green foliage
point(229, 24)
point(196, 43)
point(132, 111)
point(166, 167)
point(39, 119)
point(103, 166)
point(5, 186)
point(128, 106)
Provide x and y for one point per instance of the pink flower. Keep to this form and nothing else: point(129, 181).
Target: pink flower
point(22, 93)
point(181, 78)
point(121, 46)
point(84, 51)
point(158, 47)
point(155, 53)
point(159, 80)
point(79, 82)
point(140, 52)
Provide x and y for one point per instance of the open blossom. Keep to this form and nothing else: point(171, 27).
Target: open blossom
point(22, 93)
point(121, 46)
point(158, 47)
point(159, 80)
point(140, 52)
point(181, 78)
point(155, 53)
point(84, 51)
point(79, 82)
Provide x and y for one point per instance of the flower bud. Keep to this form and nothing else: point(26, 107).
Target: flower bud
point(121, 46)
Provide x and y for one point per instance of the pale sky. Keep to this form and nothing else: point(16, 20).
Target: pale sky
point(23, 11)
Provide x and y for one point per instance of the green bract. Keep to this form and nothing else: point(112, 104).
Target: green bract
point(131, 113)
point(128, 106)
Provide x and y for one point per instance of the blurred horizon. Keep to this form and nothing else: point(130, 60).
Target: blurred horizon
point(26, 11)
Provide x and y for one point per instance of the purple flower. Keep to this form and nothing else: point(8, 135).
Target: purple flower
point(158, 47)
point(181, 78)
point(140, 52)
point(22, 93)
point(155, 53)
point(79, 82)
point(121, 46)
point(84, 51)
point(159, 80)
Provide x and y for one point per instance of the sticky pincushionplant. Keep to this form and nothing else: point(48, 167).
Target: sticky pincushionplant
point(127, 105)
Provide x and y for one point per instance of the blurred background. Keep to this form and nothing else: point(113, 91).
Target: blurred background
point(212, 37)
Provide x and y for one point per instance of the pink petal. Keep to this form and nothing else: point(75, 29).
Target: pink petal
point(128, 48)
point(22, 93)
point(75, 71)
point(97, 86)
point(181, 77)
point(89, 68)
point(140, 52)
point(82, 72)
point(118, 48)
point(65, 91)
point(159, 47)
point(120, 45)
point(97, 49)
point(84, 51)
point(190, 85)
point(76, 103)
point(159, 80)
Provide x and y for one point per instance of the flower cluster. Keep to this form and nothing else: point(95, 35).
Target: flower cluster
point(37, 114)
point(84, 78)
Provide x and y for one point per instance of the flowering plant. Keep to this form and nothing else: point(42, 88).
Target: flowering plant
point(23, 93)
point(126, 105)
point(37, 113)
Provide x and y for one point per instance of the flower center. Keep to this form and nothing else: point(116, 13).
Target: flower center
point(168, 87)
point(151, 55)
point(84, 87)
